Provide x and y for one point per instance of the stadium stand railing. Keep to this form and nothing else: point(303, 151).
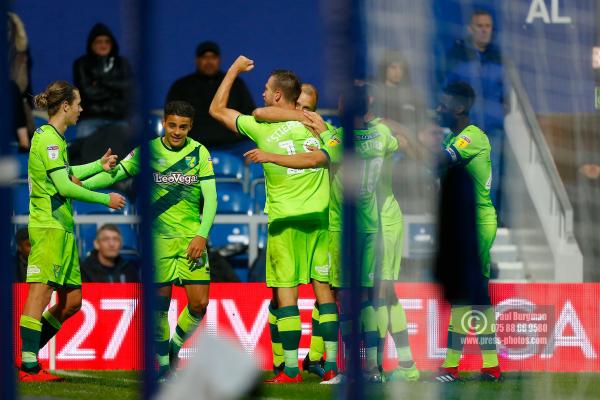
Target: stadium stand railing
point(545, 238)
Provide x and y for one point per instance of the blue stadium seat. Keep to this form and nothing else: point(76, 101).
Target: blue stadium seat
point(22, 159)
point(227, 166)
point(155, 123)
point(234, 202)
point(20, 197)
point(86, 236)
point(262, 236)
point(223, 234)
point(227, 186)
point(259, 196)
point(256, 171)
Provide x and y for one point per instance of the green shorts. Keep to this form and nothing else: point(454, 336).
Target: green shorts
point(391, 251)
point(340, 277)
point(173, 267)
point(297, 252)
point(53, 259)
point(486, 233)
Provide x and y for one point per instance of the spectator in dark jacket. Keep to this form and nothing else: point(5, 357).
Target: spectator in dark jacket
point(104, 80)
point(477, 61)
point(104, 264)
point(199, 89)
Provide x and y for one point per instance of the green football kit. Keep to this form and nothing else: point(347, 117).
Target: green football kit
point(390, 214)
point(180, 179)
point(372, 144)
point(297, 204)
point(54, 257)
point(471, 147)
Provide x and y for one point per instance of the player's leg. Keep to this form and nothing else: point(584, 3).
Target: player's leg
point(458, 330)
point(392, 240)
point(195, 277)
point(486, 337)
point(276, 346)
point(289, 327)
point(328, 321)
point(284, 273)
point(69, 295)
point(69, 303)
point(368, 316)
point(45, 271)
point(165, 274)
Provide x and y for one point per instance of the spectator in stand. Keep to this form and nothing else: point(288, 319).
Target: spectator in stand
point(199, 88)
point(104, 80)
point(105, 264)
point(20, 75)
point(23, 250)
point(477, 61)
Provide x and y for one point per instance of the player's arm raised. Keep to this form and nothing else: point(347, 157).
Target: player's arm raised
point(218, 108)
point(278, 114)
point(128, 167)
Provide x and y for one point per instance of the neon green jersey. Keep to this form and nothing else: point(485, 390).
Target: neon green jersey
point(372, 145)
point(472, 148)
point(389, 209)
point(176, 192)
point(301, 194)
point(332, 144)
point(47, 208)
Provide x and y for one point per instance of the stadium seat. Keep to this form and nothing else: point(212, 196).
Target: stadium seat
point(262, 236)
point(234, 202)
point(20, 197)
point(155, 123)
point(227, 186)
point(22, 159)
point(256, 172)
point(259, 195)
point(227, 166)
point(222, 235)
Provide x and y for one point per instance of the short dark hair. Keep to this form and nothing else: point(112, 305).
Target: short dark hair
point(462, 93)
point(180, 108)
point(288, 83)
point(108, 227)
point(479, 12)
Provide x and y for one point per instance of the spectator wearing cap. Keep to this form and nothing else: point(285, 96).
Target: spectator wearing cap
point(23, 250)
point(199, 88)
point(105, 264)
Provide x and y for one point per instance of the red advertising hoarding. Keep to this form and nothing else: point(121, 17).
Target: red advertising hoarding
point(540, 327)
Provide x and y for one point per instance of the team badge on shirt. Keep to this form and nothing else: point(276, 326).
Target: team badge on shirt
point(53, 151)
point(463, 141)
point(190, 161)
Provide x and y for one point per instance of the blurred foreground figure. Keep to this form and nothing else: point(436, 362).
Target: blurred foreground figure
point(466, 234)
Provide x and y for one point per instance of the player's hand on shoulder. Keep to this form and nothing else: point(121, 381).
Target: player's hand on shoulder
point(108, 160)
point(314, 122)
point(117, 201)
point(196, 248)
point(243, 64)
point(257, 156)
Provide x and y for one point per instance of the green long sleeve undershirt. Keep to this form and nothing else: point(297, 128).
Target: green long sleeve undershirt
point(86, 170)
point(66, 188)
point(105, 179)
point(209, 192)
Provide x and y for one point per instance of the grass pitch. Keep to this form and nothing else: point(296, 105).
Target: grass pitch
point(113, 385)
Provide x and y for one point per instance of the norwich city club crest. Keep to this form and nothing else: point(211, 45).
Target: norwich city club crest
point(190, 161)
